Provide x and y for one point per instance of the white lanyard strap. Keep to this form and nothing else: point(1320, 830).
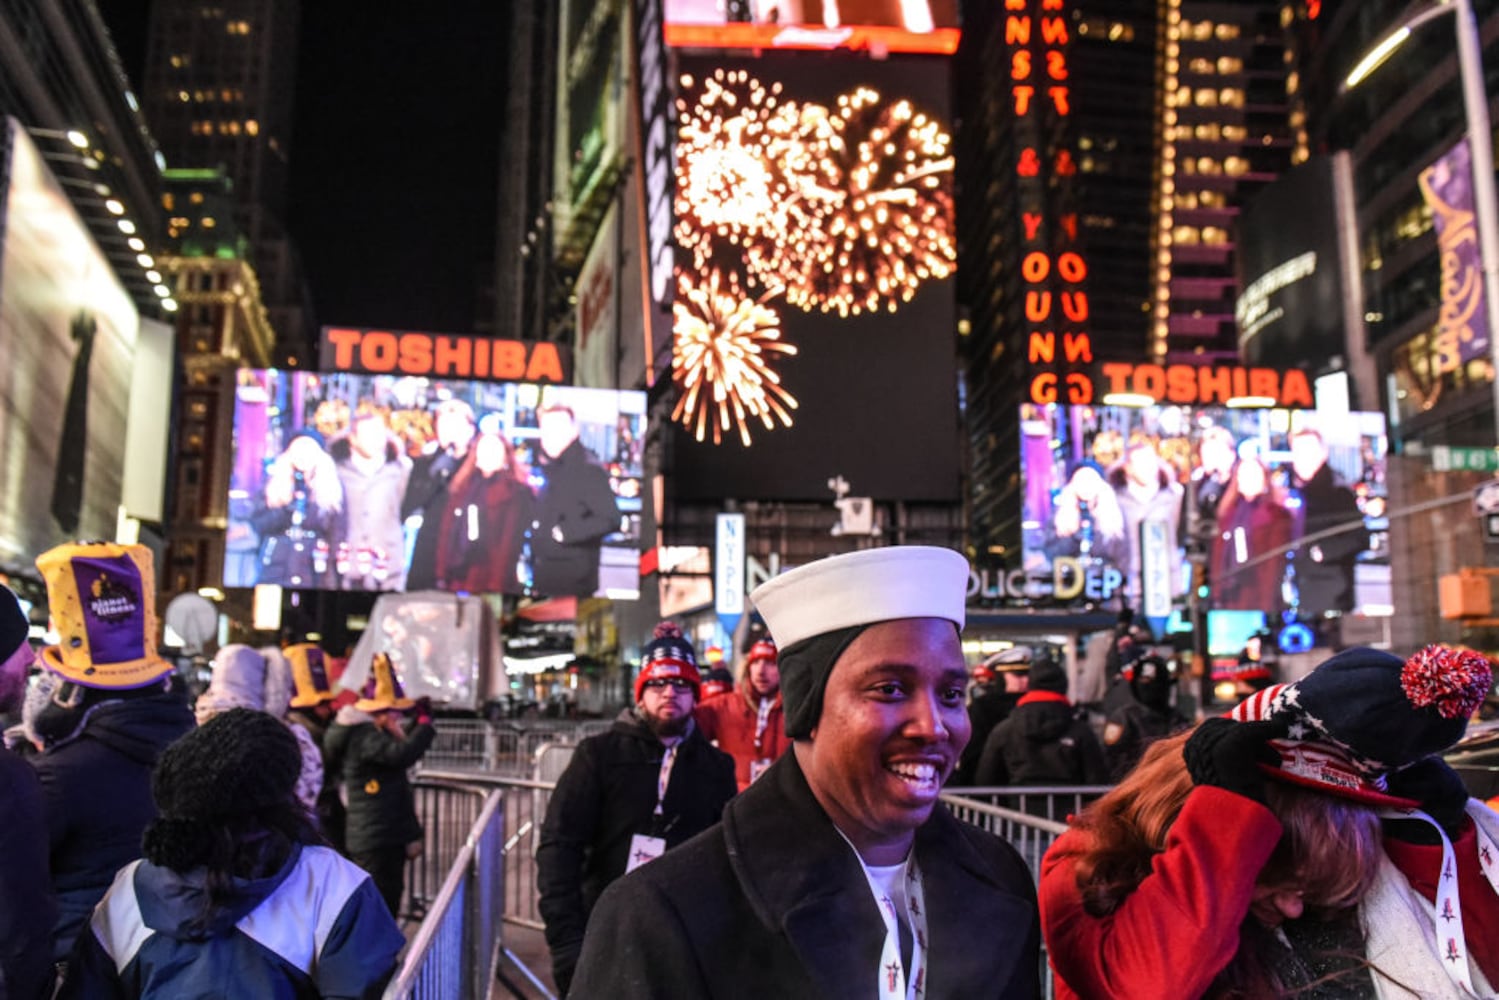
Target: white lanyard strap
point(761, 720)
point(895, 980)
point(664, 778)
point(1452, 944)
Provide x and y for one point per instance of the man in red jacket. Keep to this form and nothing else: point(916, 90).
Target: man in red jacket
point(746, 723)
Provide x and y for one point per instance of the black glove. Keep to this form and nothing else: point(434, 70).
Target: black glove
point(1227, 754)
point(422, 710)
point(1431, 782)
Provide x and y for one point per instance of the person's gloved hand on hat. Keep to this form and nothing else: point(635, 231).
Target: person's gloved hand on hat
point(421, 712)
point(1442, 794)
point(1228, 754)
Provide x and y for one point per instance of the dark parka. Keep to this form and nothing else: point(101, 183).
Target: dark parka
point(606, 796)
point(1327, 505)
point(373, 765)
point(1045, 741)
point(96, 792)
point(773, 903)
point(578, 504)
point(27, 908)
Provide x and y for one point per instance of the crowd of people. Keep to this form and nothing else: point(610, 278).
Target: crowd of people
point(781, 837)
point(1309, 843)
point(351, 504)
point(247, 843)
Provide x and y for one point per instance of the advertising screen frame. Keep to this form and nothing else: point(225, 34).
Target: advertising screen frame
point(1295, 543)
point(544, 481)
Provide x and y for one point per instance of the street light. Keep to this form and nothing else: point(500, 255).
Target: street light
point(1480, 145)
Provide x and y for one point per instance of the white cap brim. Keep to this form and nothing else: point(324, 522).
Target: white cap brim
point(861, 588)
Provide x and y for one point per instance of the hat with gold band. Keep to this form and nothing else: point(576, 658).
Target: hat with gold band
point(102, 598)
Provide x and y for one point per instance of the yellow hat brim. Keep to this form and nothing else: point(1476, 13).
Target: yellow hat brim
point(109, 676)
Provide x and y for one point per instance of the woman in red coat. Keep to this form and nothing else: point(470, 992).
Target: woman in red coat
point(1253, 528)
point(1171, 886)
point(488, 510)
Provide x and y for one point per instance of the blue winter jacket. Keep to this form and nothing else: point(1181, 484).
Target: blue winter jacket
point(316, 928)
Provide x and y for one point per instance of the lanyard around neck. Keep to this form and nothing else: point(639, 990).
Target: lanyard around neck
point(664, 778)
point(896, 982)
point(762, 718)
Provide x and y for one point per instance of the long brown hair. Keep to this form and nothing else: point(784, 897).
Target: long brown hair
point(470, 467)
point(1328, 851)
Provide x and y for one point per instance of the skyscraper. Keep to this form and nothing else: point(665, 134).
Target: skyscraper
point(219, 83)
point(1104, 152)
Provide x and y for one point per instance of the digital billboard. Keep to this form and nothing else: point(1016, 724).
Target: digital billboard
point(814, 318)
point(1291, 309)
point(68, 333)
point(1287, 507)
point(353, 481)
point(877, 25)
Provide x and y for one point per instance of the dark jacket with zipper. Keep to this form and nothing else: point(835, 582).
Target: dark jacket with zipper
point(96, 791)
point(773, 903)
point(373, 766)
point(603, 800)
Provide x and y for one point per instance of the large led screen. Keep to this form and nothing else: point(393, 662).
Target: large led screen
point(1286, 507)
point(377, 482)
point(814, 320)
point(68, 333)
point(887, 25)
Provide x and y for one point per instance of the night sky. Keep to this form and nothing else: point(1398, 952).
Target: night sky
point(394, 156)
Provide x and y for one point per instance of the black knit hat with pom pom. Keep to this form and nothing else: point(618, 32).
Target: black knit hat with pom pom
point(232, 766)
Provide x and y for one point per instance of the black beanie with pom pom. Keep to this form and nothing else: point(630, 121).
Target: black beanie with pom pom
point(234, 765)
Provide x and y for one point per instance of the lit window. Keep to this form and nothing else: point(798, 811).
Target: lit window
point(167, 201)
point(1293, 82)
point(1210, 132)
point(208, 222)
point(184, 96)
point(1236, 166)
point(1230, 64)
point(196, 198)
point(1187, 200)
point(1214, 236)
point(1200, 65)
point(1231, 97)
point(1226, 32)
point(1209, 167)
point(1186, 236)
point(252, 127)
point(1235, 133)
point(1206, 98)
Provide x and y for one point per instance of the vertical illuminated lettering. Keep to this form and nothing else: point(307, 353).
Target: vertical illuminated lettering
point(1017, 31)
point(378, 351)
point(1035, 267)
point(1023, 94)
point(1037, 305)
point(1077, 347)
point(1075, 306)
point(1043, 348)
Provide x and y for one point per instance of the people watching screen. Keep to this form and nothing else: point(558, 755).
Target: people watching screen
point(375, 483)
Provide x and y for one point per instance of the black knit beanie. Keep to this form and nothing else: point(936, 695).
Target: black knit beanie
point(1046, 674)
point(232, 766)
point(805, 667)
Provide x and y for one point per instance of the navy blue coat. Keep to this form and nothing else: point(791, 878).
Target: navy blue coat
point(96, 789)
point(27, 909)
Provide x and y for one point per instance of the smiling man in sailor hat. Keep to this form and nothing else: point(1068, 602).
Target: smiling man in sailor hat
point(838, 872)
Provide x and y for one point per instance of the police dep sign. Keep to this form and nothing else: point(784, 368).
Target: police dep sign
point(1071, 579)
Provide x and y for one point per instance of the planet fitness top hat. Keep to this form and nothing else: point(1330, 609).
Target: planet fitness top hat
point(382, 689)
point(309, 674)
point(102, 598)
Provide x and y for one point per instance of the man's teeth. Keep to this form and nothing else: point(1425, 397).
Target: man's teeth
point(925, 774)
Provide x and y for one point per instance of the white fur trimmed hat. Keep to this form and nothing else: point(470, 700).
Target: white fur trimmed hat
point(814, 612)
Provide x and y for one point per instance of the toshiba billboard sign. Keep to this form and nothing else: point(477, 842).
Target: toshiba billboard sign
point(443, 355)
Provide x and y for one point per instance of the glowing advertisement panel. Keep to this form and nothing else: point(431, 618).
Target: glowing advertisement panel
point(1287, 506)
point(348, 481)
point(929, 26)
point(68, 335)
point(813, 326)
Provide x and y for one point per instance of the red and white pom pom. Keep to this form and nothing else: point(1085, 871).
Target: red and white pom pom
point(668, 630)
point(1454, 681)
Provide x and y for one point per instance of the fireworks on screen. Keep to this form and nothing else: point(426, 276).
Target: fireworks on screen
point(721, 352)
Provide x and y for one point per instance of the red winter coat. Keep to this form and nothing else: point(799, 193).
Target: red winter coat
point(728, 720)
point(1171, 937)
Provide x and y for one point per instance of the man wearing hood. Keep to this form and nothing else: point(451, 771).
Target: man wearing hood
point(108, 712)
point(838, 874)
point(371, 553)
point(236, 897)
point(1045, 741)
point(1147, 717)
point(628, 795)
point(747, 722)
point(27, 908)
point(575, 509)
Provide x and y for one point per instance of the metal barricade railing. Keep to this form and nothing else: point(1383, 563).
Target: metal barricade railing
point(1051, 802)
point(504, 747)
point(455, 950)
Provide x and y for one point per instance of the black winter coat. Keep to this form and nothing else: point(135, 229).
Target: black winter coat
point(1044, 742)
point(985, 711)
point(577, 503)
point(773, 903)
point(373, 765)
point(606, 796)
point(96, 790)
point(1133, 728)
point(28, 910)
point(1326, 505)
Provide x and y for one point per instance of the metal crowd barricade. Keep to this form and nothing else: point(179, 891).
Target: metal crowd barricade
point(504, 747)
point(458, 945)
